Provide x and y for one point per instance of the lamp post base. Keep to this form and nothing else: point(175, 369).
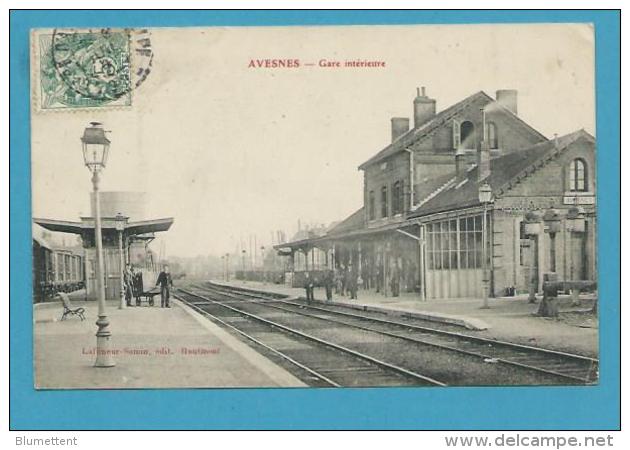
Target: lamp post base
point(104, 352)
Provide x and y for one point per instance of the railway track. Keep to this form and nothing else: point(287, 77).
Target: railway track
point(576, 369)
point(321, 362)
point(416, 354)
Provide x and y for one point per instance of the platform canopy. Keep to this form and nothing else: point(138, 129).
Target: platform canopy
point(87, 224)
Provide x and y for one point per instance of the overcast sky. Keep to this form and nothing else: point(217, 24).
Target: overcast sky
point(230, 151)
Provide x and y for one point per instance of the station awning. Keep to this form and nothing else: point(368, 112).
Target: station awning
point(131, 228)
point(149, 226)
point(62, 226)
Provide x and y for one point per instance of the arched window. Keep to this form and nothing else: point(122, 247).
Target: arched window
point(384, 206)
point(578, 175)
point(466, 135)
point(492, 135)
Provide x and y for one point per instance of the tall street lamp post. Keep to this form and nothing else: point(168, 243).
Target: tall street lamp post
point(120, 228)
point(485, 198)
point(95, 147)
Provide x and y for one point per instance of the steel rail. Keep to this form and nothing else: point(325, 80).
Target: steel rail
point(338, 347)
point(428, 329)
point(253, 339)
point(461, 336)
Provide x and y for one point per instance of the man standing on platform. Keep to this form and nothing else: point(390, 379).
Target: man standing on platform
point(379, 276)
point(353, 281)
point(328, 284)
point(128, 284)
point(166, 283)
point(309, 286)
point(395, 280)
point(137, 284)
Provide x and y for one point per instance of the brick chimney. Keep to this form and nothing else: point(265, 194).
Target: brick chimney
point(400, 125)
point(508, 98)
point(423, 108)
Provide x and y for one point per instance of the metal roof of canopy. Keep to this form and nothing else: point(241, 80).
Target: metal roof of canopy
point(149, 226)
point(62, 226)
point(131, 228)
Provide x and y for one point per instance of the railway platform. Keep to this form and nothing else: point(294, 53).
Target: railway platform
point(155, 348)
point(507, 318)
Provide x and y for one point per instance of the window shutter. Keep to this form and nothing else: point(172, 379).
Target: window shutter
point(456, 135)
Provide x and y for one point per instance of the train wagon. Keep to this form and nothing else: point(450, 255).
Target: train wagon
point(55, 270)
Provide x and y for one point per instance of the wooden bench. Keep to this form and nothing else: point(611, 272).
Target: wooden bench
point(68, 309)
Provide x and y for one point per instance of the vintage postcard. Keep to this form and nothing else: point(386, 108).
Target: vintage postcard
point(339, 206)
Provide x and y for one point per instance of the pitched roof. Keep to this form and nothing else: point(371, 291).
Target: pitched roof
point(504, 171)
point(351, 223)
point(354, 221)
point(415, 134)
point(427, 190)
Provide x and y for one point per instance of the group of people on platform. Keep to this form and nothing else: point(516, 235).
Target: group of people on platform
point(134, 286)
point(345, 280)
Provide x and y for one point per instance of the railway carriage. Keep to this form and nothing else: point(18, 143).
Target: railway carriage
point(55, 270)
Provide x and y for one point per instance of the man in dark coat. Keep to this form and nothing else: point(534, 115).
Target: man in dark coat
point(128, 284)
point(353, 281)
point(395, 280)
point(328, 284)
point(138, 285)
point(309, 286)
point(165, 282)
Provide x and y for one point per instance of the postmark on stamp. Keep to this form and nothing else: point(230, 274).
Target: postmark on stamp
point(88, 69)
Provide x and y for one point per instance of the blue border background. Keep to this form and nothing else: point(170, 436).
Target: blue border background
point(392, 408)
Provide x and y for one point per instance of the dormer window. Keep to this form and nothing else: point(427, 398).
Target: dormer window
point(467, 135)
point(578, 176)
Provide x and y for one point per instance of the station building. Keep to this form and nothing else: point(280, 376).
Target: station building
point(123, 225)
point(422, 218)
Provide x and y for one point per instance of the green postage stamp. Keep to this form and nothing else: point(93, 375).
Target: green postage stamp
point(87, 69)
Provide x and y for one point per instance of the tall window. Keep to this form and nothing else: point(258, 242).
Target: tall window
point(397, 200)
point(384, 205)
point(492, 135)
point(371, 206)
point(471, 242)
point(68, 261)
point(467, 135)
point(578, 175)
point(455, 244)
